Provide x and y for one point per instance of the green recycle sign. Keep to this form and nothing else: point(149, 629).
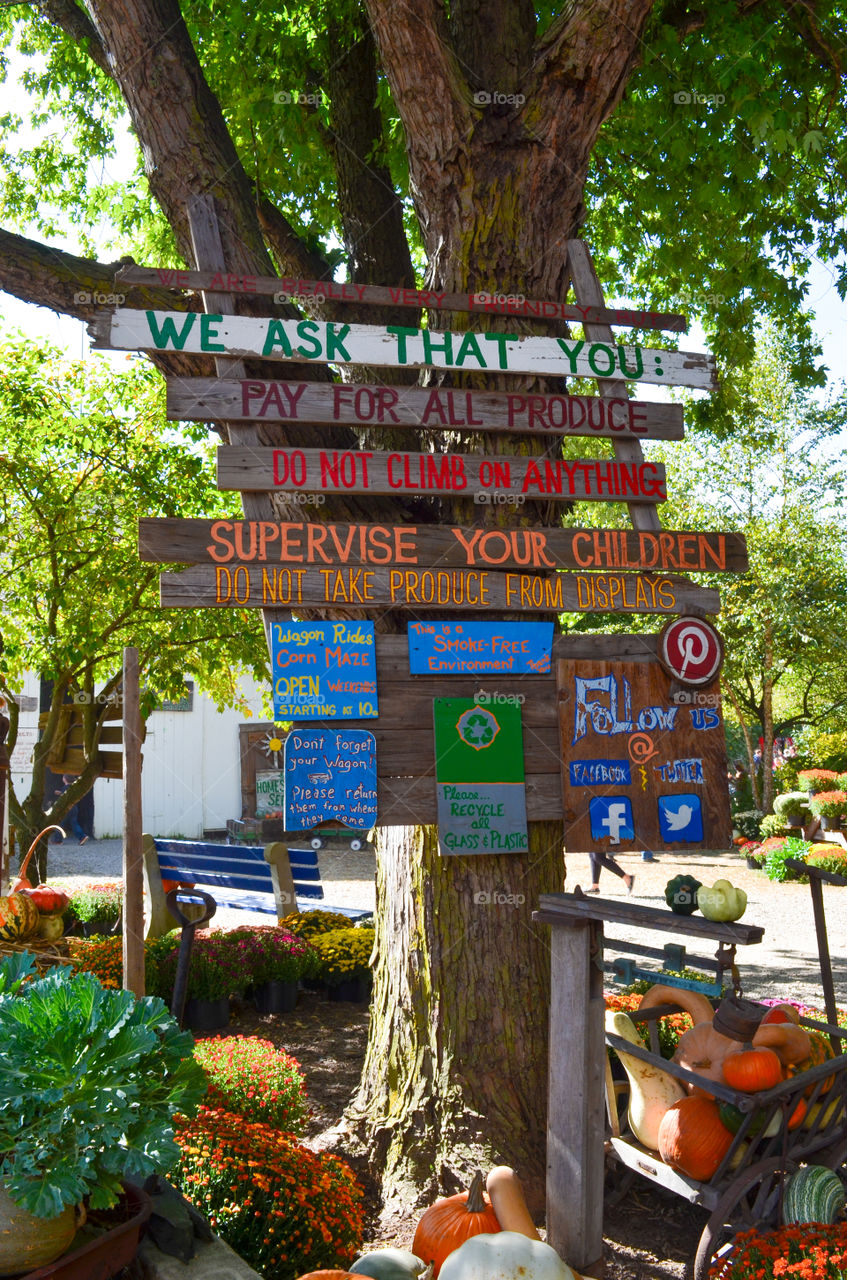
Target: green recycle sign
point(477, 727)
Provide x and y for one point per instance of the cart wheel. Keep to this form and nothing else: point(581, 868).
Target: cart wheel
point(752, 1200)
point(355, 845)
point(316, 842)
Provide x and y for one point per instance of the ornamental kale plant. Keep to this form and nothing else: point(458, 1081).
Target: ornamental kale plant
point(90, 1080)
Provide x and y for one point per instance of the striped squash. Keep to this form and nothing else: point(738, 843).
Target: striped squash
point(18, 917)
point(814, 1194)
point(820, 1051)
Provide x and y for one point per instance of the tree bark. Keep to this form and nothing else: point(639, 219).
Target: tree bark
point(767, 719)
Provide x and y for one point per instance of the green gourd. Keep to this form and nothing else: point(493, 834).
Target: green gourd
point(814, 1194)
point(388, 1264)
point(681, 894)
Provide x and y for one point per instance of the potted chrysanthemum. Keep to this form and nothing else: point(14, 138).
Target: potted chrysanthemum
point(345, 962)
point(829, 806)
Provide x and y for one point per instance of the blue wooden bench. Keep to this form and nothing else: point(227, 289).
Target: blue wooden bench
point(275, 880)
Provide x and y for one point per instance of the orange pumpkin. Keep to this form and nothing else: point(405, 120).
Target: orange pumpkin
point(752, 1070)
point(167, 885)
point(781, 1013)
point(451, 1221)
point(692, 1137)
point(704, 1050)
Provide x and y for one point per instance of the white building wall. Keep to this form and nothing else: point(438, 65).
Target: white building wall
point(191, 774)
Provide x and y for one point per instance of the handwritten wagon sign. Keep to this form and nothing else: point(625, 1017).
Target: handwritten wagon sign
point(192, 541)
point(479, 773)
point(300, 289)
point(436, 408)
point(330, 776)
point(241, 586)
point(638, 771)
point(323, 670)
point(459, 648)
point(396, 346)
point(467, 474)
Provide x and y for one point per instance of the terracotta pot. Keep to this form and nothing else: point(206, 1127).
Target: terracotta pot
point(27, 1242)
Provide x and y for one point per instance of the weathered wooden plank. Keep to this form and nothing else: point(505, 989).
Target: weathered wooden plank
point(193, 541)
point(435, 409)
point(488, 481)
point(560, 908)
point(575, 1096)
point(299, 290)
point(250, 586)
point(395, 346)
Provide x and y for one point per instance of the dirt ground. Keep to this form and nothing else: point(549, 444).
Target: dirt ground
point(650, 1235)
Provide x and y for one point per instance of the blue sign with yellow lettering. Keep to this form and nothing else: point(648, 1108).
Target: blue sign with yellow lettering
point(324, 670)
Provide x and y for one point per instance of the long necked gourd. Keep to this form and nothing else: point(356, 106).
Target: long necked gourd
point(651, 1091)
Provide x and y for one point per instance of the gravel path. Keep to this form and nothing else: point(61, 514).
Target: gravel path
point(785, 963)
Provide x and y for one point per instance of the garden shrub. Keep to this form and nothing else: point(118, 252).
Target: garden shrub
point(270, 953)
point(827, 750)
point(95, 902)
point(344, 953)
point(254, 1079)
point(773, 824)
point(104, 958)
point(792, 847)
point(828, 859)
point(308, 923)
point(747, 822)
point(810, 1249)
point(285, 1209)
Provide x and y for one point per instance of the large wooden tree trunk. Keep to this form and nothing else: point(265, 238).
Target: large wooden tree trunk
point(456, 1065)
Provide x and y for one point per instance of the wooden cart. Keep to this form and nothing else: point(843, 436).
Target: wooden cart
point(746, 1190)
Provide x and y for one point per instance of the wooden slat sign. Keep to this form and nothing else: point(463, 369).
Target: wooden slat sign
point(462, 648)
point(330, 776)
point(270, 793)
point(303, 543)
point(240, 586)
point(299, 290)
point(486, 480)
point(638, 771)
point(323, 670)
point(479, 774)
point(395, 346)
point(435, 409)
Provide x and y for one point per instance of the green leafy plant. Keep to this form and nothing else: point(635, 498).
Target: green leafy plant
point(773, 824)
point(90, 1080)
point(828, 804)
point(285, 1209)
point(791, 847)
point(747, 822)
point(344, 954)
point(254, 1079)
point(791, 802)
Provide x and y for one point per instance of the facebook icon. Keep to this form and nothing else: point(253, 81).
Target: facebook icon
point(611, 818)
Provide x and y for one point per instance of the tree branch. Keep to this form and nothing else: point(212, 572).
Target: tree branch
point(67, 15)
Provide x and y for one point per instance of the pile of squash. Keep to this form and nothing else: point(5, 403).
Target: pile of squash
point(469, 1236)
point(32, 912)
point(691, 1131)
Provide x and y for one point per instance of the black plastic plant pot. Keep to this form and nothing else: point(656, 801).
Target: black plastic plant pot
point(276, 997)
point(207, 1015)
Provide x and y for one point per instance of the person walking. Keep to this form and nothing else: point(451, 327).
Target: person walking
point(71, 818)
point(599, 860)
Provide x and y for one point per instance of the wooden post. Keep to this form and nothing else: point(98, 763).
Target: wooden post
point(4, 805)
point(576, 1101)
point(133, 930)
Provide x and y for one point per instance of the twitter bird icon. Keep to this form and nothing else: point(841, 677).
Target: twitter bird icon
point(681, 818)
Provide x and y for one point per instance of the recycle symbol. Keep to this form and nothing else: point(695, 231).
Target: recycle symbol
point(477, 727)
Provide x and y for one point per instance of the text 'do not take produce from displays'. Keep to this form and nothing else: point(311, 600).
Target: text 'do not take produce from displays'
point(479, 770)
point(269, 586)
point(395, 346)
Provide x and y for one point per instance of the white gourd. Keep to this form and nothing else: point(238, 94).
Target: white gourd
point(651, 1091)
point(505, 1255)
